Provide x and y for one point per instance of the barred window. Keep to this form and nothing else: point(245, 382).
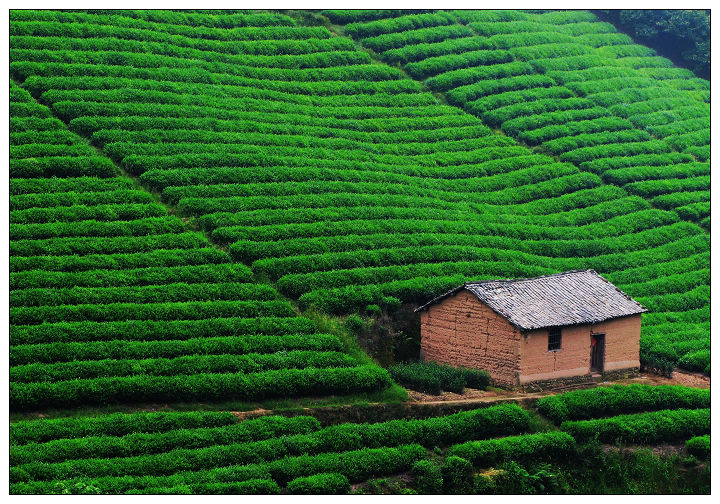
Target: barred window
point(554, 339)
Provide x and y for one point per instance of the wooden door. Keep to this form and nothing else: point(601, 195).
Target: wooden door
point(597, 352)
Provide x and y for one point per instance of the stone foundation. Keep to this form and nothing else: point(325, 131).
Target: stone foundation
point(543, 385)
point(586, 379)
point(621, 374)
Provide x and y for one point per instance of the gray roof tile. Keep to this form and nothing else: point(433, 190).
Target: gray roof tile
point(573, 297)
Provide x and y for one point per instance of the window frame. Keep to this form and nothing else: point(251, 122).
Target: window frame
point(554, 339)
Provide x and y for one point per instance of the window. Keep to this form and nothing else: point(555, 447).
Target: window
point(554, 339)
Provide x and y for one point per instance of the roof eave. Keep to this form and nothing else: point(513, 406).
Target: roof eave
point(439, 298)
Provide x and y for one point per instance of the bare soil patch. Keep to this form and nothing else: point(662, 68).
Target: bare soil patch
point(678, 378)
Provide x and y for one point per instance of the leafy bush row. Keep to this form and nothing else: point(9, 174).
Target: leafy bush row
point(641, 242)
point(146, 18)
point(62, 166)
point(145, 435)
point(151, 330)
point(214, 345)
point(124, 27)
point(153, 259)
point(72, 185)
point(608, 401)
point(78, 197)
point(176, 292)
point(139, 227)
point(433, 378)
point(25, 432)
point(344, 437)
point(152, 275)
point(124, 244)
point(202, 387)
point(358, 465)
point(194, 364)
point(528, 447)
point(385, 42)
point(398, 24)
point(189, 310)
point(642, 428)
point(320, 484)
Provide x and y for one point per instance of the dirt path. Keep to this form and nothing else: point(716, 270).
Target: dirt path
point(420, 404)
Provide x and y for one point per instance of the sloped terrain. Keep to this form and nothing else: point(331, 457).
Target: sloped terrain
point(184, 184)
point(113, 300)
point(341, 180)
point(213, 452)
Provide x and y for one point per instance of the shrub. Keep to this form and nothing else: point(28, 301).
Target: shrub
point(531, 447)
point(642, 428)
point(433, 378)
point(457, 475)
point(354, 323)
point(607, 401)
point(320, 484)
point(699, 446)
point(428, 477)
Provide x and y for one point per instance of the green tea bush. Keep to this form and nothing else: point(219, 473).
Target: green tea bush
point(544, 446)
point(147, 439)
point(428, 477)
point(456, 475)
point(250, 386)
point(642, 428)
point(616, 399)
point(699, 446)
point(434, 378)
point(320, 484)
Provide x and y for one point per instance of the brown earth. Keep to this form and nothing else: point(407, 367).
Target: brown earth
point(494, 394)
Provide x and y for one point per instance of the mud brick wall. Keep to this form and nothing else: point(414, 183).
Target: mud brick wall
point(622, 342)
point(463, 331)
point(573, 358)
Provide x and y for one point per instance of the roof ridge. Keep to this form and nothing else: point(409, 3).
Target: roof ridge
point(557, 299)
point(508, 280)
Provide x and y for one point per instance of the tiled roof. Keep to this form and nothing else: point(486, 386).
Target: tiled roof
point(573, 297)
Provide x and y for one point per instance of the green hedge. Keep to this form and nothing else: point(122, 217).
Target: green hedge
point(199, 387)
point(320, 484)
point(642, 428)
point(114, 424)
point(530, 447)
point(138, 434)
point(616, 399)
point(699, 446)
point(434, 378)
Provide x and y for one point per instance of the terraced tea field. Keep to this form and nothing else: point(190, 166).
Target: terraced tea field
point(340, 179)
point(215, 453)
point(113, 300)
point(198, 199)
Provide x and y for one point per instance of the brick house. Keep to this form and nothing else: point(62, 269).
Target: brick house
point(534, 329)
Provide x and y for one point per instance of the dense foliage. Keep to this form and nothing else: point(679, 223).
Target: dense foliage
point(433, 378)
point(608, 401)
point(683, 35)
point(573, 87)
point(642, 428)
point(146, 452)
point(113, 300)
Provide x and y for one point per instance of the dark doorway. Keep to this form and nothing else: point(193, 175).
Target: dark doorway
point(597, 352)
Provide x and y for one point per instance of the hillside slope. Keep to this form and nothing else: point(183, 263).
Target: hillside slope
point(570, 85)
point(342, 180)
point(112, 300)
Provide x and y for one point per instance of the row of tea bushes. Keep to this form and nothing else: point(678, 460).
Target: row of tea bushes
point(261, 154)
point(573, 87)
point(191, 450)
point(113, 300)
point(609, 401)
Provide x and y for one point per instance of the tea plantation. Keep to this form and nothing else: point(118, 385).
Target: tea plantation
point(194, 194)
